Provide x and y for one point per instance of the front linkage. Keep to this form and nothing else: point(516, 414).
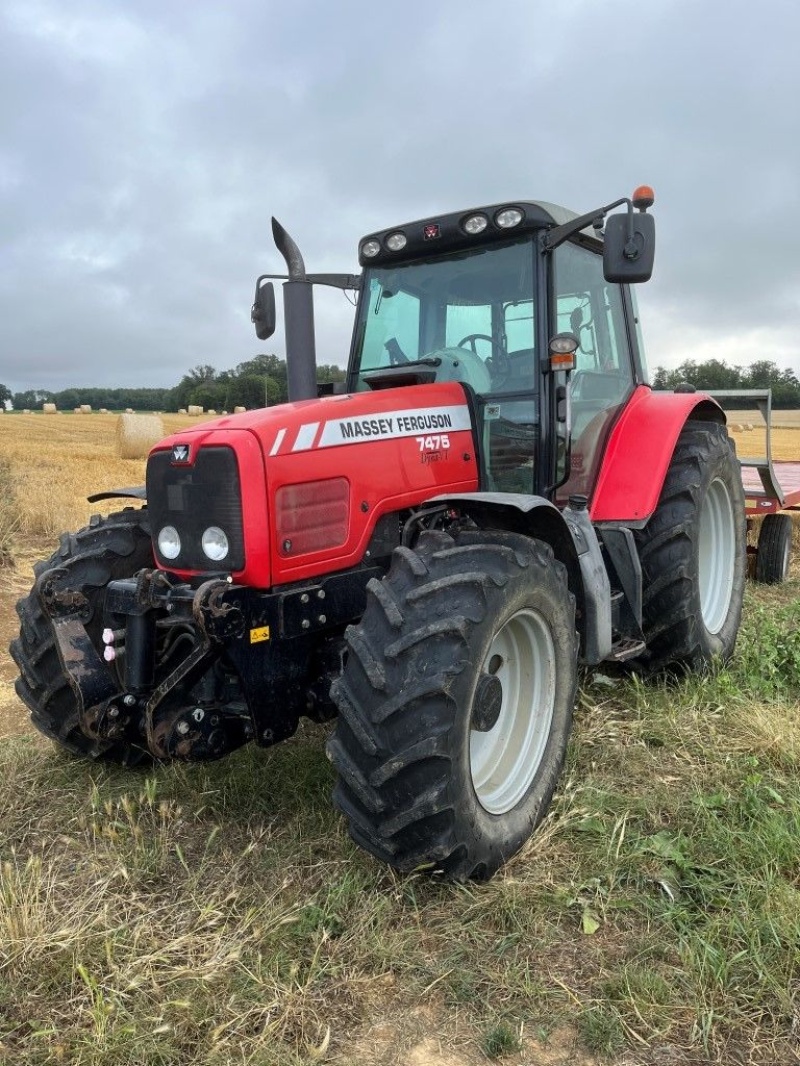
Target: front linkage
point(193, 672)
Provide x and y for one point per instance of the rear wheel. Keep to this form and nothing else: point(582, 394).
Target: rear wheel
point(108, 548)
point(455, 704)
point(774, 549)
point(693, 553)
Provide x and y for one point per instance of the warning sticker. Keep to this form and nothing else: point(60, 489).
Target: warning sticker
point(259, 634)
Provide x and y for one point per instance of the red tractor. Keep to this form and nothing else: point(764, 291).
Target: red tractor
point(495, 497)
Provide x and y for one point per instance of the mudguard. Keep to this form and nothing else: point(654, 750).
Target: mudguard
point(639, 452)
point(574, 543)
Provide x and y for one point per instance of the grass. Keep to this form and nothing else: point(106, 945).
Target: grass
point(219, 914)
point(9, 514)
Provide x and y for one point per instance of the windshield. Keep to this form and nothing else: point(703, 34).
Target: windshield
point(470, 315)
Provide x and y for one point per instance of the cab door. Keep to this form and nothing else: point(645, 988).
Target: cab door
point(594, 310)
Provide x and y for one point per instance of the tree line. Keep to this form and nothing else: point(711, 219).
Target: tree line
point(261, 382)
point(716, 374)
point(258, 382)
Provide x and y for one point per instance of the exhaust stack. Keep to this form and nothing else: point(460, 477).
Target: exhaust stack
point(298, 314)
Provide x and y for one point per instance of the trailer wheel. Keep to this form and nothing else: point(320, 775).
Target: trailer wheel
point(693, 553)
point(455, 703)
point(108, 548)
point(774, 549)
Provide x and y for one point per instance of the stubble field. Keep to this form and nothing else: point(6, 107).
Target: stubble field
point(219, 913)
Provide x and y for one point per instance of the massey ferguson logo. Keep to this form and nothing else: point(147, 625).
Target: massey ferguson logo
point(180, 453)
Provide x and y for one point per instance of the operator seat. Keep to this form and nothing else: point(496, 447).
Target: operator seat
point(460, 364)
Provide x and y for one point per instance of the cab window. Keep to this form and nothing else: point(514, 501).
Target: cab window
point(591, 308)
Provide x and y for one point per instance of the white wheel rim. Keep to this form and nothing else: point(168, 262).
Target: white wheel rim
point(717, 556)
point(504, 760)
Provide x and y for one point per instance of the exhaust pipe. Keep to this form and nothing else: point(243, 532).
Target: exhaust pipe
point(298, 314)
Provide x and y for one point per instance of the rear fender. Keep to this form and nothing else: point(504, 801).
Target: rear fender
point(640, 450)
point(574, 543)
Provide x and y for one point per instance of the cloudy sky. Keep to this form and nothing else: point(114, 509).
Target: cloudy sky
point(144, 146)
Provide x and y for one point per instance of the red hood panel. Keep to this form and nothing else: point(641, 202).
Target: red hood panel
point(395, 447)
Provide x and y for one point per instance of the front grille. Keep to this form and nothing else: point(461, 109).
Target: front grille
point(192, 498)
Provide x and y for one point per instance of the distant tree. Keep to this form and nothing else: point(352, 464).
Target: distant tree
point(329, 372)
point(209, 395)
point(5, 394)
point(181, 395)
point(31, 398)
point(715, 374)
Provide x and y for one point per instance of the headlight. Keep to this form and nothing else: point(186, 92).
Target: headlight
point(508, 217)
point(475, 224)
point(215, 543)
point(370, 249)
point(396, 242)
point(169, 543)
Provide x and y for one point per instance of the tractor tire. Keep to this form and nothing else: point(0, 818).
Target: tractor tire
point(774, 549)
point(108, 548)
point(455, 703)
point(693, 554)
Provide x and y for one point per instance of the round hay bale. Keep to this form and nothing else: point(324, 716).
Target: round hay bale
point(136, 435)
point(49, 408)
point(76, 410)
point(129, 411)
point(748, 427)
point(194, 410)
point(211, 411)
point(85, 409)
point(26, 410)
point(181, 410)
point(239, 410)
point(103, 410)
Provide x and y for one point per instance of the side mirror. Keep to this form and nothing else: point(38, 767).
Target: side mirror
point(629, 247)
point(262, 313)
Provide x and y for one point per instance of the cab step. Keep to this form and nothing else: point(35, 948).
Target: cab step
point(626, 649)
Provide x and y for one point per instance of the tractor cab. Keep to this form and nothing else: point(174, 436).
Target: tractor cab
point(478, 297)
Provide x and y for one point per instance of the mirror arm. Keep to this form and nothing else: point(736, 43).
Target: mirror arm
point(336, 281)
point(557, 236)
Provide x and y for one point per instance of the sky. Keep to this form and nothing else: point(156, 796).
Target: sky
point(145, 145)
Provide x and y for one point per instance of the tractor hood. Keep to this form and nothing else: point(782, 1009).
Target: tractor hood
point(303, 485)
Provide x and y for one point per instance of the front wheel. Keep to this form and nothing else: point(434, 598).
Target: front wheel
point(693, 553)
point(455, 703)
point(108, 548)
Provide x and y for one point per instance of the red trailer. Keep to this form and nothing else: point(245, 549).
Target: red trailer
point(772, 487)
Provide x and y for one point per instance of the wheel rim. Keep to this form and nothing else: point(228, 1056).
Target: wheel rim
point(504, 760)
point(717, 556)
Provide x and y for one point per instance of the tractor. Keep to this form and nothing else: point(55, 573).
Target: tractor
point(493, 499)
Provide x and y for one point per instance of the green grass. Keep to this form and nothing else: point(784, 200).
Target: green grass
point(219, 913)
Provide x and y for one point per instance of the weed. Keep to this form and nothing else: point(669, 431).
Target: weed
point(500, 1040)
point(601, 1030)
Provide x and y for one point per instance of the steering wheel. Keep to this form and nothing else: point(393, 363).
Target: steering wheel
point(498, 367)
point(471, 338)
